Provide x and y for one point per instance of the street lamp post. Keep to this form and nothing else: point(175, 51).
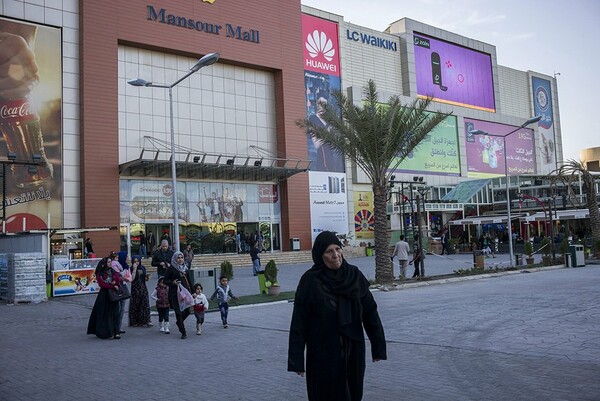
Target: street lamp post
point(205, 61)
point(509, 225)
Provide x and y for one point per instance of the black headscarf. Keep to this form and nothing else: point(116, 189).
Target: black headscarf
point(346, 282)
point(322, 241)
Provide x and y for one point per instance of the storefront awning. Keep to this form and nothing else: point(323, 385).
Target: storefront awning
point(479, 220)
point(203, 166)
point(558, 215)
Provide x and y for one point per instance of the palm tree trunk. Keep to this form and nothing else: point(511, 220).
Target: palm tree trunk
point(383, 267)
point(592, 205)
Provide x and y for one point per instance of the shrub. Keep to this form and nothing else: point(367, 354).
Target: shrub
point(271, 272)
point(528, 248)
point(227, 269)
point(564, 246)
point(546, 246)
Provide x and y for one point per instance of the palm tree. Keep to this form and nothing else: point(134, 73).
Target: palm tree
point(569, 173)
point(377, 138)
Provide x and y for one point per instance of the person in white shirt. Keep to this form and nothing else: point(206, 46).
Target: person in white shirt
point(401, 250)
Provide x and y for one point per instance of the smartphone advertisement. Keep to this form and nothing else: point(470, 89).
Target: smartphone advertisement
point(497, 149)
point(453, 74)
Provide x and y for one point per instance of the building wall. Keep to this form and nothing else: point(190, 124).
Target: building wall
point(105, 26)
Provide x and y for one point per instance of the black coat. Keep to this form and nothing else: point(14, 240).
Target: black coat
point(171, 274)
point(160, 256)
point(330, 326)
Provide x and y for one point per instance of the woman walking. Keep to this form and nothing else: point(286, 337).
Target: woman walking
point(139, 305)
point(104, 319)
point(177, 273)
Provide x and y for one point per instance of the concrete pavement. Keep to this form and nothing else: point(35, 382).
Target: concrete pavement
point(514, 337)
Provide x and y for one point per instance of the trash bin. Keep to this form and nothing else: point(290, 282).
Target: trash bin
point(262, 286)
point(577, 255)
point(478, 259)
point(369, 251)
point(295, 244)
point(518, 259)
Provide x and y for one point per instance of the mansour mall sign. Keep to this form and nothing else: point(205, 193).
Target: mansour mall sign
point(229, 30)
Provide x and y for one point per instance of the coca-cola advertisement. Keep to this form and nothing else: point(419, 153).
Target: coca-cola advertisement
point(30, 125)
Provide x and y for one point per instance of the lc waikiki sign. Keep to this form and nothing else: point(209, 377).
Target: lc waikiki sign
point(229, 30)
point(372, 40)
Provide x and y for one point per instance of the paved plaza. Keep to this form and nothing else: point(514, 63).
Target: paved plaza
point(520, 336)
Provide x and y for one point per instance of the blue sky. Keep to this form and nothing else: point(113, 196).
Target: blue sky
point(546, 36)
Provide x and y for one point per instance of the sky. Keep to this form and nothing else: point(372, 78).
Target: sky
point(545, 36)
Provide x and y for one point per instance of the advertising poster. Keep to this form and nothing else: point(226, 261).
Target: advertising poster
point(437, 153)
point(487, 156)
point(150, 202)
point(74, 282)
point(453, 74)
point(31, 123)
point(328, 199)
point(364, 219)
point(321, 77)
point(329, 206)
point(542, 105)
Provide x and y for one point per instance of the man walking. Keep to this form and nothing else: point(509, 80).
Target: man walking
point(161, 259)
point(254, 254)
point(401, 250)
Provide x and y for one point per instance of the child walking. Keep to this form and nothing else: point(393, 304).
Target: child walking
point(200, 306)
point(223, 294)
point(161, 296)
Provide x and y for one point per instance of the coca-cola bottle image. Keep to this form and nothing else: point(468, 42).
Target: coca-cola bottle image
point(20, 126)
point(19, 121)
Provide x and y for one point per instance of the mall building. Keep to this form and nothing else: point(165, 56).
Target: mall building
point(242, 164)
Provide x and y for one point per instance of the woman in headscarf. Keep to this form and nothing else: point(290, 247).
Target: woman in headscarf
point(104, 320)
point(332, 305)
point(139, 304)
point(177, 273)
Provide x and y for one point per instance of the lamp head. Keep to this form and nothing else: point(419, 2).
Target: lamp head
point(477, 132)
point(139, 82)
point(531, 121)
point(205, 61)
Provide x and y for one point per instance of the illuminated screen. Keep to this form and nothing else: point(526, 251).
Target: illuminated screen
point(497, 149)
point(453, 74)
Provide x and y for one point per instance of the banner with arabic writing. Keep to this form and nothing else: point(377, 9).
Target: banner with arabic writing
point(497, 149)
point(437, 153)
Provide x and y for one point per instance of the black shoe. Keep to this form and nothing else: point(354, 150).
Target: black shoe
point(183, 336)
point(117, 336)
point(122, 331)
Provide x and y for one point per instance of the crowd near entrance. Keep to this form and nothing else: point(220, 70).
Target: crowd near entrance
point(211, 238)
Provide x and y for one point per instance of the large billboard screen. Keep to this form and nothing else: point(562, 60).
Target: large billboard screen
point(486, 153)
point(31, 124)
point(453, 74)
point(437, 153)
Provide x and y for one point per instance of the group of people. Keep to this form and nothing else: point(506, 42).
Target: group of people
point(333, 308)
point(113, 272)
point(402, 252)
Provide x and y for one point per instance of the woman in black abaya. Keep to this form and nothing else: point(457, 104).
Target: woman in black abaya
point(332, 305)
point(104, 320)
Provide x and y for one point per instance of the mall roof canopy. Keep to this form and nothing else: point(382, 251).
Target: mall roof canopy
point(155, 161)
point(573, 214)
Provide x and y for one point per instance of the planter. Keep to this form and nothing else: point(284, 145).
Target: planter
point(529, 260)
point(274, 290)
point(547, 260)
